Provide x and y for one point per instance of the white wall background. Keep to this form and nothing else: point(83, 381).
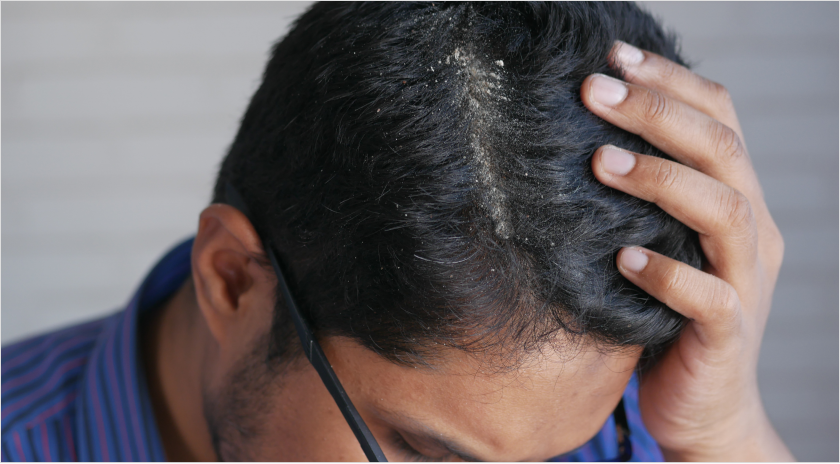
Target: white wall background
point(116, 115)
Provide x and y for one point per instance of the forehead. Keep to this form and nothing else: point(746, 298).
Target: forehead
point(552, 403)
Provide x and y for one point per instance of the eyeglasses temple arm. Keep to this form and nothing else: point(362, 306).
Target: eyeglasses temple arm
point(312, 348)
point(321, 364)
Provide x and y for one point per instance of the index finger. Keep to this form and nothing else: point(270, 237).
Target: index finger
point(655, 72)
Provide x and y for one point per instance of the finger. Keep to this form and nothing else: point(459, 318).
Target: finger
point(677, 129)
point(704, 204)
point(678, 82)
point(710, 302)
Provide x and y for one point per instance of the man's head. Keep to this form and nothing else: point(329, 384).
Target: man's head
point(423, 169)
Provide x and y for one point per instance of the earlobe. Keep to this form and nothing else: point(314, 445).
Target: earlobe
point(224, 269)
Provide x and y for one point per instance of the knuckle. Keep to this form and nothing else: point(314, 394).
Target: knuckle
point(721, 96)
point(657, 109)
point(776, 246)
point(667, 71)
point(674, 281)
point(726, 305)
point(730, 303)
point(665, 177)
point(737, 211)
point(727, 144)
point(779, 245)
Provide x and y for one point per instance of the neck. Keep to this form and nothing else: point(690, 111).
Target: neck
point(173, 342)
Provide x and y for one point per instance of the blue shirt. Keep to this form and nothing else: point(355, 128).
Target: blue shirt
point(80, 394)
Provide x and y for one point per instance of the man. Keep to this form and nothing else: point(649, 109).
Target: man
point(435, 192)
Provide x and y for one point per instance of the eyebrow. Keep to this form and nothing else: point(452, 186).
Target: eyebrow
point(427, 432)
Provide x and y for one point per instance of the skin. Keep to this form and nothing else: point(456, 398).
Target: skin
point(701, 402)
point(214, 322)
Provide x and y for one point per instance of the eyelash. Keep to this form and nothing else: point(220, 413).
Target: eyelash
point(409, 451)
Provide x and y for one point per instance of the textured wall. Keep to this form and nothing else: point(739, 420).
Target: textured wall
point(116, 115)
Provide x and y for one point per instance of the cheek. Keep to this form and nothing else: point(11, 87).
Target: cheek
point(304, 424)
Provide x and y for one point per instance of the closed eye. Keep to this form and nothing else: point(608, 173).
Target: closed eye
point(410, 453)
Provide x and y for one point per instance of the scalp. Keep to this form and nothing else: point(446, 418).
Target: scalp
point(424, 168)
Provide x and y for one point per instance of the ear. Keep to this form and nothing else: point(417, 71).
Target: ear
point(233, 291)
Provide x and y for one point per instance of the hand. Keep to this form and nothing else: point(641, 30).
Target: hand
point(701, 401)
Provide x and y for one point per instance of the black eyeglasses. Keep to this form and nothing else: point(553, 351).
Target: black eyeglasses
point(319, 361)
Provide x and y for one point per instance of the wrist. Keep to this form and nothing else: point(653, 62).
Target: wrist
point(750, 437)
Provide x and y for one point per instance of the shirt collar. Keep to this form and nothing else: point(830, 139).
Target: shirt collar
point(115, 418)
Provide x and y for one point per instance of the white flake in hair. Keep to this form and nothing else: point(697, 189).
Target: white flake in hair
point(483, 90)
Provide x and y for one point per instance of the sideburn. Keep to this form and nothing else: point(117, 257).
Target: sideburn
point(236, 411)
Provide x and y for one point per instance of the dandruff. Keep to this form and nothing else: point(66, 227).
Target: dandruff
point(482, 93)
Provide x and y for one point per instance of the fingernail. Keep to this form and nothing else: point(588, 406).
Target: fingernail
point(616, 161)
point(608, 91)
point(628, 55)
point(633, 260)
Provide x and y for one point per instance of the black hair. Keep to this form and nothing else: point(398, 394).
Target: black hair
point(424, 170)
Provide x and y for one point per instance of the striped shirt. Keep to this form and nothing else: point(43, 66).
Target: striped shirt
point(79, 394)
